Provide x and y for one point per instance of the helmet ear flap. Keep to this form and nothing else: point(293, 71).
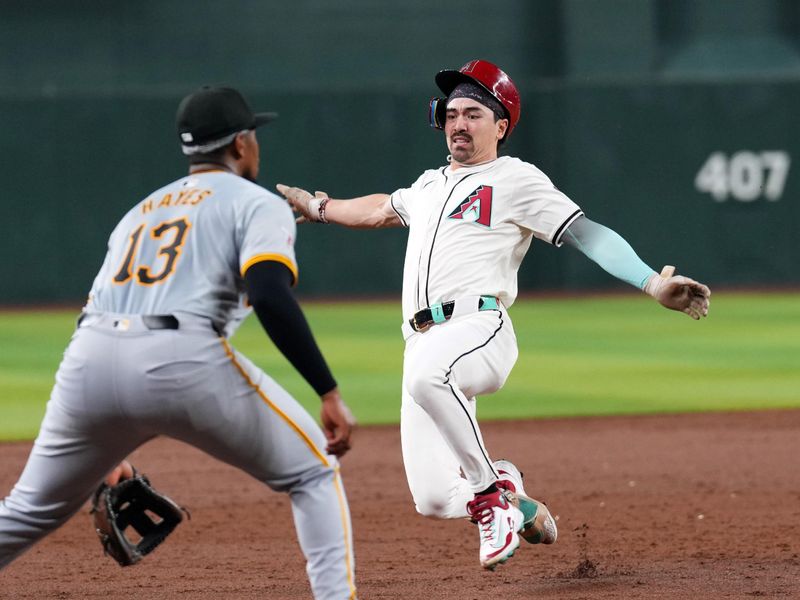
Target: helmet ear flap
point(437, 112)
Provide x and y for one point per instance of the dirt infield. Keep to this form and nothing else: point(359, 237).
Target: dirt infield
point(690, 506)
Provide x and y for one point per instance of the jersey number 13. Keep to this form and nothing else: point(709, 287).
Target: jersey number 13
point(171, 251)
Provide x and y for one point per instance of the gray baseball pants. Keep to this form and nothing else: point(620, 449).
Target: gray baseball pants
point(121, 384)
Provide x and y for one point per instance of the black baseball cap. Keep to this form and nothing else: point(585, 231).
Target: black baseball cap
point(211, 113)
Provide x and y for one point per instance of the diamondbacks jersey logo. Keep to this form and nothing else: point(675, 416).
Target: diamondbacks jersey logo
point(476, 208)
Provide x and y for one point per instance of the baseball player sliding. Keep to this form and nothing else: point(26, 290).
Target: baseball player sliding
point(470, 223)
point(151, 357)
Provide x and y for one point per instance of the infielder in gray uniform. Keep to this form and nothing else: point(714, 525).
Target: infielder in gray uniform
point(151, 357)
point(470, 224)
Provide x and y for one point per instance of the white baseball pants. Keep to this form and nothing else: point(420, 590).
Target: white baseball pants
point(445, 369)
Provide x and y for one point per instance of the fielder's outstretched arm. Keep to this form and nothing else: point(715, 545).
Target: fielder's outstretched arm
point(365, 212)
point(269, 292)
point(609, 250)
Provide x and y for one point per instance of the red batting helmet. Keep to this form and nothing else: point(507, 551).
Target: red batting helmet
point(488, 76)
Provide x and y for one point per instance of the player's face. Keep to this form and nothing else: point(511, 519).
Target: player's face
point(250, 156)
point(471, 131)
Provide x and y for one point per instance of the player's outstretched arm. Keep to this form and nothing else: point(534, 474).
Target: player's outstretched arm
point(364, 212)
point(609, 250)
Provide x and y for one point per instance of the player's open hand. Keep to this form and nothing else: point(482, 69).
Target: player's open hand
point(303, 202)
point(681, 293)
point(338, 423)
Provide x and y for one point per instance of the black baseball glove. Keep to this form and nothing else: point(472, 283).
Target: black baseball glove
point(133, 503)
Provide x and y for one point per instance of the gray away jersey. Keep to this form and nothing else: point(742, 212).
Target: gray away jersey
point(186, 248)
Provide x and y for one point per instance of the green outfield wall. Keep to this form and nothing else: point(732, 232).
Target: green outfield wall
point(671, 121)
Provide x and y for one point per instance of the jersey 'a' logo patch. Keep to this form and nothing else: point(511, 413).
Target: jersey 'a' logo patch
point(476, 208)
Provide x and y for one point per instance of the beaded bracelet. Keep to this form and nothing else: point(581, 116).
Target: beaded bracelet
point(322, 204)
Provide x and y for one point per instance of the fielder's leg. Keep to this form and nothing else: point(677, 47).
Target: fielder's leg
point(64, 468)
point(250, 422)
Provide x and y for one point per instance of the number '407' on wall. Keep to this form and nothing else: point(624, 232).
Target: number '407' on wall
point(744, 176)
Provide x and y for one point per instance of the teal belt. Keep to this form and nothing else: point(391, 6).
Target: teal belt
point(441, 311)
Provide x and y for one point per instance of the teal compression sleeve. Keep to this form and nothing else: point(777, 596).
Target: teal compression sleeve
point(609, 250)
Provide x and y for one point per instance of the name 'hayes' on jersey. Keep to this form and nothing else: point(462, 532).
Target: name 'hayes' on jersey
point(470, 228)
point(186, 247)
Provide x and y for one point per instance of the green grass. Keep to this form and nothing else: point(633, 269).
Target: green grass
point(578, 356)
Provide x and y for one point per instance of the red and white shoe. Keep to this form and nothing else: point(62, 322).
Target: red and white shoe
point(539, 526)
point(498, 523)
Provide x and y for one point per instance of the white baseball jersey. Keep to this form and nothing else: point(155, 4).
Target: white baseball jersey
point(470, 228)
point(212, 225)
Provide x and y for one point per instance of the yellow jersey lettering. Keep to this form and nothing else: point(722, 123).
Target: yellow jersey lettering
point(200, 197)
point(189, 197)
point(183, 197)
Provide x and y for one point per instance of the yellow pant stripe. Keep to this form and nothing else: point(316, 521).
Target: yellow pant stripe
point(336, 479)
point(269, 403)
point(346, 528)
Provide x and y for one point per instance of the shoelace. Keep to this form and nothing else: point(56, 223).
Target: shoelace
point(480, 509)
